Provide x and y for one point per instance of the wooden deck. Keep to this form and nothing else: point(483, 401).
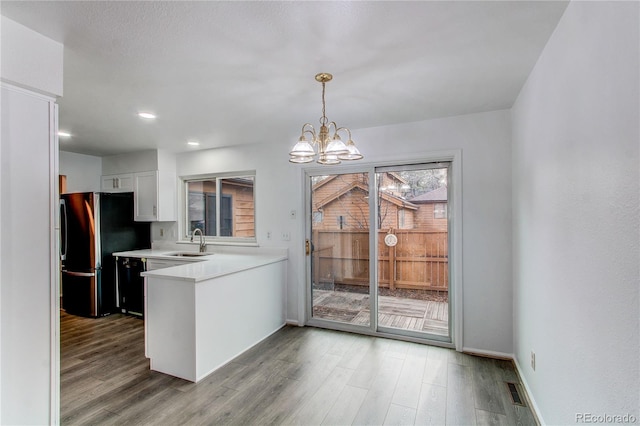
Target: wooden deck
point(396, 312)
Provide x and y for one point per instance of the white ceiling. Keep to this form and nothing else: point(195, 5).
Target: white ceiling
point(227, 73)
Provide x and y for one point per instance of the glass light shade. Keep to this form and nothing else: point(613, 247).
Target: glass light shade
point(302, 149)
point(328, 159)
point(300, 159)
point(353, 154)
point(336, 147)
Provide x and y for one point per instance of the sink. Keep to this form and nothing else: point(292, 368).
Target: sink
point(189, 254)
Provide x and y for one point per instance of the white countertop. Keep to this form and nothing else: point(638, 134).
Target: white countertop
point(162, 254)
point(202, 268)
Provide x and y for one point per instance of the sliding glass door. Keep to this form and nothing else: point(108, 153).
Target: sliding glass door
point(413, 250)
point(340, 271)
point(379, 250)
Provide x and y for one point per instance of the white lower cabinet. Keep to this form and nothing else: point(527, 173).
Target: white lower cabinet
point(152, 265)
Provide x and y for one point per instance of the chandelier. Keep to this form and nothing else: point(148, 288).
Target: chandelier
point(329, 148)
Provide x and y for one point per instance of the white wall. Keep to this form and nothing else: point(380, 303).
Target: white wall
point(83, 171)
point(29, 59)
point(576, 216)
point(485, 143)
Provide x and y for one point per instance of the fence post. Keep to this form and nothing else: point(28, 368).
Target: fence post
point(392, 268)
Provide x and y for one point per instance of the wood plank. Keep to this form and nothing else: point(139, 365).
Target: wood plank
point(400, 415)
point(376, 404)
point(488, 390)
point(460, 401)
point(432, 405)
point(407, 392)
point(344, 410)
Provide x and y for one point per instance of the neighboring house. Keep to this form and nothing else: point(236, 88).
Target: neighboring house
point(342, 203)
point(433, 209)
point(236, 207)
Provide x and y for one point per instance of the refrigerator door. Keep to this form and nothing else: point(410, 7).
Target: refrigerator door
point(79, 293)
point(81, 239)
point(81, 266)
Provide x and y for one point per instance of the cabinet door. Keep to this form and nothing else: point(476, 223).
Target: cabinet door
point(146, 196)
point(117, 183)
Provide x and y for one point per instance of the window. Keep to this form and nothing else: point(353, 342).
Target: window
point(220, 205)
point(440, 211)
point(342, 222)
point(318, 216)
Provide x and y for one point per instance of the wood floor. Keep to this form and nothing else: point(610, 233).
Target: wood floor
point(395, 312)
point(302, 376)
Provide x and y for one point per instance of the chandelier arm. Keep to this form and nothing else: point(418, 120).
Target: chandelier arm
point(344, 128)
point(313, 136)
point(335, 127)
point(304, 130)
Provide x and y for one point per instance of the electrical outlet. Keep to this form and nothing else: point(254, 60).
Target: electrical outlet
point(268, 235)
point(286, 236)
point(533, 360)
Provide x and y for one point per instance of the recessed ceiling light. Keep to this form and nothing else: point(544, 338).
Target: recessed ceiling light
point(193, 143)
point(147, 115)
point(64, 134)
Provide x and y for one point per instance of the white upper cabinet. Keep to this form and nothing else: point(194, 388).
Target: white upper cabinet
point(153, 201)
point(117, 183)
point(145, 199)
point(151, 176)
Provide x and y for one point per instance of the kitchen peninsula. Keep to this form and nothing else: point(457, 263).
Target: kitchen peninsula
point(203, 313)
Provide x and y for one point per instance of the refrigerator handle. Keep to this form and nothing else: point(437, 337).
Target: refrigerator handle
point(63, 229)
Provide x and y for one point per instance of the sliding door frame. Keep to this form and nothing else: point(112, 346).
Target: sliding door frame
point(455, 245)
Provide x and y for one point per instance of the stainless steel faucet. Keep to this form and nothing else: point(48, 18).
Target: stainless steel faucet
point(203, 243)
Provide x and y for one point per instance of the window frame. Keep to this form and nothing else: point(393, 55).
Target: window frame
point(439, 210)
point(183, 213)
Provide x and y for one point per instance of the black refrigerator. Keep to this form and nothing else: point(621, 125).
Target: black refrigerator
point(94, 225)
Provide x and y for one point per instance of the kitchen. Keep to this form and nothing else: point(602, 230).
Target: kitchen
point(495, 199)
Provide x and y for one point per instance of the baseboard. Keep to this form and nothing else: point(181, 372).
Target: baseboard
point(488, 354)
point(529, 394)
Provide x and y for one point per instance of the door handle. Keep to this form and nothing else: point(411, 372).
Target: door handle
point(80, 274)
point(307, 247)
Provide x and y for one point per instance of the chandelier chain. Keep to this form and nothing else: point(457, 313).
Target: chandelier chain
point(323, 119)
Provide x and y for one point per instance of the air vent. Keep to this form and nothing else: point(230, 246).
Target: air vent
point(514, 393)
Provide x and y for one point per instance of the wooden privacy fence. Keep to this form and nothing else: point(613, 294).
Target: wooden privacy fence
point(418, 261)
